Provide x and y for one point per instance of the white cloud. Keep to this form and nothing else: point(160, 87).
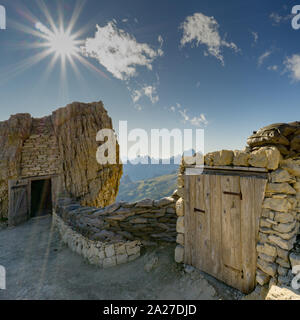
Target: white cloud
point(263, 57)
point(255, 36)
point(119, 52)
point(278, 19)
point(195, 121)
point(273, 68)
point(293, 66)
point(148, 91)
point(205, 30)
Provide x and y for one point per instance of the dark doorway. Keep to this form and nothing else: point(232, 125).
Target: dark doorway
point(41, 198)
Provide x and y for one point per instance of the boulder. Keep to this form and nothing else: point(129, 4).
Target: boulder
point(240, 158)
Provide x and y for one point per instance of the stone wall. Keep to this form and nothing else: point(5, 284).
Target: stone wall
point(40, 154)
point(103, 254)
point(146, 220)
point(274, 148)
point(114, 234)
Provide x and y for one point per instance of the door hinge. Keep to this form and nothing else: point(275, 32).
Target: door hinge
point(199, 210)
point(234, 194)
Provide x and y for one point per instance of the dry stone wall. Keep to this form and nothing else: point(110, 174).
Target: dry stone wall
point(275, 148)
point(40, 154)
point(115, 234)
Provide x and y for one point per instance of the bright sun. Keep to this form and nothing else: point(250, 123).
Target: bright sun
point(63, 44)
point(60, 42)
point(56, 41)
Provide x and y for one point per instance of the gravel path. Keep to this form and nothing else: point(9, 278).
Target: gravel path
point(39, 266)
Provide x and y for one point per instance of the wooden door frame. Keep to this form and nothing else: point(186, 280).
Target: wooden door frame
point(26, 181)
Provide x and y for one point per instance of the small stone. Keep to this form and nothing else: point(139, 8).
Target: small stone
point(223, 158)
point(283, 254)
point(292, 166)
point(180, 239)
point(179, 254)
point(282, 271)
point(241, 158)
point(267, 249)
point(189, 269)
point(132, 250)
point(284, 227)
point(258, 158)
point(280, 188)
point(282, 205)
point(146, 203)
point(261, 277)
point(109, 251)
point(134, 256)
point(180, 225)
point(180, 207)
point(282, 263)
point(280, 175)
point(283, 244)
point(267, 267)
point(295, 259)
point(283, 217)
point(164, 202)
point(120, 249)
point(109, 262)
point(278, 293)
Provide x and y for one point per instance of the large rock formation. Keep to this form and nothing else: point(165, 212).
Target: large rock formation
point(71, 133)
point(13, 133)
point(286, 137)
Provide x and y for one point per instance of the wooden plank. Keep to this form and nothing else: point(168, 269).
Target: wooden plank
point(216, 224)
point(187, 209)
point(200, 223)
point(231, 231)
point(253, 193)
point(230, 168)
point(207, 224)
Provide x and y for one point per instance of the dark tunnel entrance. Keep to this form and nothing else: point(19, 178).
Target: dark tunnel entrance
point(41, 198)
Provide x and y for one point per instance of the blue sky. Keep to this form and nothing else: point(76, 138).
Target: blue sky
point(240, 73)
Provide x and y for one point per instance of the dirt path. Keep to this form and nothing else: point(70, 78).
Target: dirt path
point(38, 266)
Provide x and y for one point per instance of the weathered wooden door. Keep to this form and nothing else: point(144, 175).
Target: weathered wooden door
point(18, 202)
point(221, 226)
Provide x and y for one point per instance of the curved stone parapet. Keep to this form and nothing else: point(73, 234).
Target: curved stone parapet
point(103, 254)
point(114, 234)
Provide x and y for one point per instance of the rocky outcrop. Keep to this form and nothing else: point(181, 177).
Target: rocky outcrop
point(13, 133)
point(286, 136)
point(63, 144)
point(75, 128)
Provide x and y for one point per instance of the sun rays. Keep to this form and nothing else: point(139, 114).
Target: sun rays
point(50, 39)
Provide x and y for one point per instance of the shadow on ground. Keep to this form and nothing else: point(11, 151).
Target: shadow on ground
point(39, 266)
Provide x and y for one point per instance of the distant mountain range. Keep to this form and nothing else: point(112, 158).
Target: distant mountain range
point(141, 171)
point(154, 188)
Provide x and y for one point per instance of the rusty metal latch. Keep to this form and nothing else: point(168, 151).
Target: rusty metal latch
point(234, 194)
point(199, 210)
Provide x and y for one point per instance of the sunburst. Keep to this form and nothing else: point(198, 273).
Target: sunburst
point(53, 39)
